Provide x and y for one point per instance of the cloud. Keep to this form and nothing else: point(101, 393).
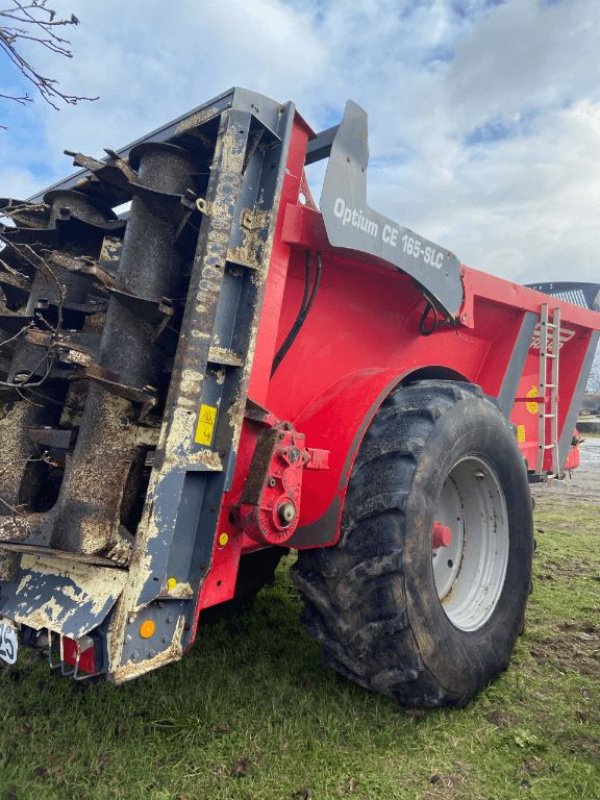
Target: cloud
point(526, 55)
point(484, 116)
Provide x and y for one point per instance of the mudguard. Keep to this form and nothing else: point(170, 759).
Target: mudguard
point(63, 596)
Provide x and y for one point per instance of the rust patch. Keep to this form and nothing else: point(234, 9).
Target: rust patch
point(91, 267)
point(195, 121)
point(222, 355)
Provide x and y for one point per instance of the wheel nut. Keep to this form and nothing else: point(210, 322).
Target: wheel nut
point(287, 513)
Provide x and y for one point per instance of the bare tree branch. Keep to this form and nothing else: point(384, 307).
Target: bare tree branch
point(33, 21)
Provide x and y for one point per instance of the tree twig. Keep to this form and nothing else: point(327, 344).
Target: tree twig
point(34, 22)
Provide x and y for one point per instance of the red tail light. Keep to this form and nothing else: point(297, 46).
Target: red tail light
point(87, 654)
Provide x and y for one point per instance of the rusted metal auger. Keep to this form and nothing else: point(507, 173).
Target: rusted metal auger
point(88, 519)
point(40, 305)
point(86, 332)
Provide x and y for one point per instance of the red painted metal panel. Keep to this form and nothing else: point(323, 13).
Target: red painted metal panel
point(359, 340)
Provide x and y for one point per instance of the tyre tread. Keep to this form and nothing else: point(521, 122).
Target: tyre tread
point(354, 593)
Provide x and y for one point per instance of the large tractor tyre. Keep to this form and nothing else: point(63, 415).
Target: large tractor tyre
point(425, 594)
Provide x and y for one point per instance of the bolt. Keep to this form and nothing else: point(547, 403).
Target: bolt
point(294, 455)
point(272, 482)
point(287, 512)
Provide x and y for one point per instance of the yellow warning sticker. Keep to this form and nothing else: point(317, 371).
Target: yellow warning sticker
point(532, 407)
point(520, 434)
point(206, 425)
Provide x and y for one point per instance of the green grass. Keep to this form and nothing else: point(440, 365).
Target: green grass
point(252, 713)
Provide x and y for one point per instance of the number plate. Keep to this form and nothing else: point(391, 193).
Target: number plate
point(9, 644)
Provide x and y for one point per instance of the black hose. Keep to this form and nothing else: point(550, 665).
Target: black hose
point(428, 309)
point(305, 306)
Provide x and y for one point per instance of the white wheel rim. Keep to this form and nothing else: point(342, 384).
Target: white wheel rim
point(469, 574)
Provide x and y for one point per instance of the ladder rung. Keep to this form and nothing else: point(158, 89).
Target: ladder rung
point(549, 446)
point(549, 416)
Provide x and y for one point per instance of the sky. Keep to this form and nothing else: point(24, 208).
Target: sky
point(484, 115)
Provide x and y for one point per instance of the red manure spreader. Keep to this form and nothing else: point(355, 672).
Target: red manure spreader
point(201, 370)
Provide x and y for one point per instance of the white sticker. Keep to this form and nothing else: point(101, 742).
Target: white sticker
point(9, 644)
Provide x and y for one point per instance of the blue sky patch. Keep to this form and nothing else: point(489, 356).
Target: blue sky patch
point(498, 129)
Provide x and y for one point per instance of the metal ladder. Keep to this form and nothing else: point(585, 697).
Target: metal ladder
point(549, 349)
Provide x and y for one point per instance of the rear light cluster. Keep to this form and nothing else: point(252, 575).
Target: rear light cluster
point(80, 654)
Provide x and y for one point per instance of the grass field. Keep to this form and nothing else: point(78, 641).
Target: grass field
point(252, 714)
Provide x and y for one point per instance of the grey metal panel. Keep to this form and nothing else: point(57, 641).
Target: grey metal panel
point(267, 111)
point(351, 224)
point(176, 536)
point(510, 384)
point(65, 597)
point(586, 295)
point(571, 418)
point(185, 504)
point(320, 147)
point(167, 617)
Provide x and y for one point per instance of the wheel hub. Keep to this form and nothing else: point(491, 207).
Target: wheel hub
point(470, 542)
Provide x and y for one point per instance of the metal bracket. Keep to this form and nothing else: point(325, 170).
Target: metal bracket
point(270, 503)
point(253, 219)
point(205, 207)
